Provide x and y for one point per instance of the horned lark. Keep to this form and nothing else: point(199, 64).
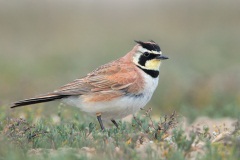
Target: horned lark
point(113, 90)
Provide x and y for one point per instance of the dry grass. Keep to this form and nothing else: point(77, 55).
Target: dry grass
point(143, 137)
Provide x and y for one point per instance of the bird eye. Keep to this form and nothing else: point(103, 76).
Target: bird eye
point(146, 54)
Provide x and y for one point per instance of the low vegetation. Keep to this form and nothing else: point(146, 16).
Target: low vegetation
point(165, 137)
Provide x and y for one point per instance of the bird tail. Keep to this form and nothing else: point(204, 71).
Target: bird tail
point(40, 99)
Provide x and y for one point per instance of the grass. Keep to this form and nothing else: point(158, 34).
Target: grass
point(43, 47)
point(142, 137)
point(230, 110)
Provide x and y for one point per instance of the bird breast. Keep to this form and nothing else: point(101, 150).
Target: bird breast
point(120, 106)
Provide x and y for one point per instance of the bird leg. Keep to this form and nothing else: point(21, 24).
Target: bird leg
point(100, 120)
point(114, 122)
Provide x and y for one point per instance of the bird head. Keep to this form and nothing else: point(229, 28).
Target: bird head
point(148, 55)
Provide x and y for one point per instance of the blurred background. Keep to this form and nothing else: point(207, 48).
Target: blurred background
point(46, 44)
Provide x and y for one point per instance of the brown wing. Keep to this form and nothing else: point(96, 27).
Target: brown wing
point(105, 83)
point(107, 78)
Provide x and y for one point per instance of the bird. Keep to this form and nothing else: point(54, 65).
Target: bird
point(113, 90)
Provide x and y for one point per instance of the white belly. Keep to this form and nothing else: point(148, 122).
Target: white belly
point(118, 107)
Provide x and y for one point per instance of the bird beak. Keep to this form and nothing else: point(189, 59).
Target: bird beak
point(162, 57)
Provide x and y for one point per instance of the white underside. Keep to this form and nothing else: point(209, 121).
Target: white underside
point(119, 107)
